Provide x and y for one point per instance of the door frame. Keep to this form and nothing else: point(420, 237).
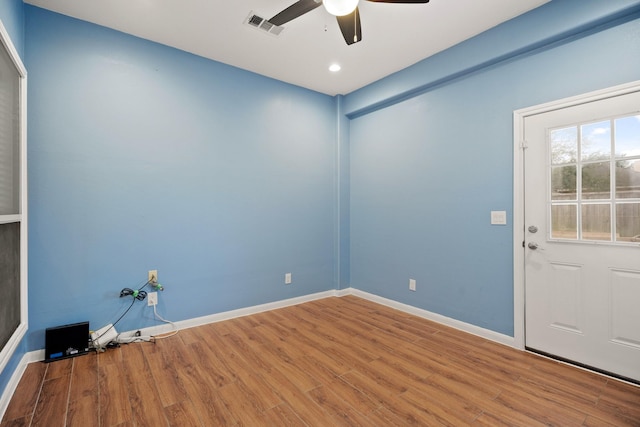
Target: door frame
point(519, 148)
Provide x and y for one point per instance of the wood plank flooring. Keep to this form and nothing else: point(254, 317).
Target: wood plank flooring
point(332, 362)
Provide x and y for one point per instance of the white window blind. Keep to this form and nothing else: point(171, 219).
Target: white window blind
point(9, 136)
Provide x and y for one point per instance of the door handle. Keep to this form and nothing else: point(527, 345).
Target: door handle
point(533, 245)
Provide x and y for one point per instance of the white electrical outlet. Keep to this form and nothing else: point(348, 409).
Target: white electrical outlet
point(287, 279)
point(153, 276)
point(412, 284)
point(152, 299)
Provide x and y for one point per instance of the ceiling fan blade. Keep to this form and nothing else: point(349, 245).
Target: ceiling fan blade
point(297, 9)
point(350, 27)
point(399, 1)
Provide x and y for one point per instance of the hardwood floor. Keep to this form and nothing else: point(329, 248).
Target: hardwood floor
point(332, 362)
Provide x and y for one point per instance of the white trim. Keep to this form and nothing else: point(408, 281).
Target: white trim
point(7, 394)
point(572, 101)
point(9, 348)
point(519, 148)
point(344, 292)
point(24, 202)
point(438, 318)
point(11, 345)
point(8, 219)
point(519, 117)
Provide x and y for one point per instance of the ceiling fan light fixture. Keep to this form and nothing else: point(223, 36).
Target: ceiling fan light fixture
point(340, 7)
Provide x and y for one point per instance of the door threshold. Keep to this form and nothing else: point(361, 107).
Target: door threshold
point(584, 367)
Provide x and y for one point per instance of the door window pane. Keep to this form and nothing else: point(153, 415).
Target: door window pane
point(564, 145)
point(628, 222)
point(627, 136)
point(596, 222)
point(595, 143)
point(563, 183)
point(596, 181)
point(587, 182)
point(564, 224)
point(628, 179)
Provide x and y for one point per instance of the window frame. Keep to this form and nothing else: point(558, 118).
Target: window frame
point(12, 344)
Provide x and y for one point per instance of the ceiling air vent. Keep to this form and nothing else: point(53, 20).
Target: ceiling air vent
point(262, 24)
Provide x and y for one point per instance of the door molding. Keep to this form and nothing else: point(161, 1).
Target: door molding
point(519, 145)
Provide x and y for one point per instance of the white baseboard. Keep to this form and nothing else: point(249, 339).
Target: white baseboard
point(38, 355)
point(218, 317)
point(7, 393)
point(232, 314)
point(444, 320)
point(344, 292)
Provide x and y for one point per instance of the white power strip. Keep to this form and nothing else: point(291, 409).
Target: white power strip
point(134, 338)
point(104, 336)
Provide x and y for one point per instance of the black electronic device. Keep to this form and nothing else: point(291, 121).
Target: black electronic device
point(62, 342)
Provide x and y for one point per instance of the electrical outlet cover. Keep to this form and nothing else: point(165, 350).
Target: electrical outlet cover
point(152, 299)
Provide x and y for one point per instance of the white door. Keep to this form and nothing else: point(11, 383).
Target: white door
point(582, 233)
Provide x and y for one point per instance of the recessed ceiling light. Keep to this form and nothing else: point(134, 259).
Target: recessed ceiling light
point(334, 68)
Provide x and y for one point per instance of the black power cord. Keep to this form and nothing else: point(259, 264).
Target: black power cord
point(138, 295)
point(116, 322)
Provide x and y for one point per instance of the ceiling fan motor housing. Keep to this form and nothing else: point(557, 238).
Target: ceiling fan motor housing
point(340, 7)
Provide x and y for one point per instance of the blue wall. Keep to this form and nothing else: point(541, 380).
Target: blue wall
point(145, 157)
point(426, 172)
point(12, 16)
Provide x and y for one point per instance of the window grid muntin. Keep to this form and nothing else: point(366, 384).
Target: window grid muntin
point(580, 202)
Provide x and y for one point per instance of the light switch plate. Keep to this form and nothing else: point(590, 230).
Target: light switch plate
point(498, 217)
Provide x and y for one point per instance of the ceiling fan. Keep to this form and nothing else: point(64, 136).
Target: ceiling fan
point(346, 12)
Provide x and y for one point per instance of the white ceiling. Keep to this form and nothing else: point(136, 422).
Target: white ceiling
point(394, 36)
